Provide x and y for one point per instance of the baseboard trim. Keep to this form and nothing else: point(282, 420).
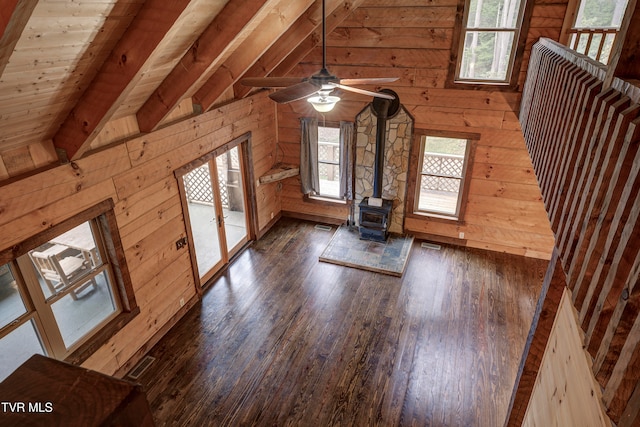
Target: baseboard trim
point(267, 227)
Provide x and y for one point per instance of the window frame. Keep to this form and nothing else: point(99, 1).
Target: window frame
point(102, 218)
point(517, 50)
point(415, 172)
point(327, 197)
point(570, 34)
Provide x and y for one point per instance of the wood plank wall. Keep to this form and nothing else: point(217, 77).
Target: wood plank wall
point(138, 176)
point(49, 65)
point(584, 142)
point(565, 362)
point(382, 38)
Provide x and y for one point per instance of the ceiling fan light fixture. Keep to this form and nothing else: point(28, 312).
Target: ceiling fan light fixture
point(320, 84)
point(323, 103)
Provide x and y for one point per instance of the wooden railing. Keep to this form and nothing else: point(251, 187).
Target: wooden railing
point(595, 43)
point(584, 142)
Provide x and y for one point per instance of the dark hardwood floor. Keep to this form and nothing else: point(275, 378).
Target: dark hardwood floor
point(283, 339)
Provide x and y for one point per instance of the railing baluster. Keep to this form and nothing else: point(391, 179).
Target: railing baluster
point(588, 46)
point(601, 46)
point(576, 37)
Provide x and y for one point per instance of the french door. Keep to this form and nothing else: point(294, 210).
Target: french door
point(215, 205)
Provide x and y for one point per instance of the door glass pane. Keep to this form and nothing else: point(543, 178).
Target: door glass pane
point(16, 347)
point(11, 305)
point(87, 306)
point(232, 196)
point(202, 216)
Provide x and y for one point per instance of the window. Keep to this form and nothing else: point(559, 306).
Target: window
point(596, 26)
point(489, 37)
point(442, 168)
point(329, 161)
point(63, 293)
point(326, 158)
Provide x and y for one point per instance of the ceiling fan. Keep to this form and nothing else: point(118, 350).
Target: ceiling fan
point(320, 84)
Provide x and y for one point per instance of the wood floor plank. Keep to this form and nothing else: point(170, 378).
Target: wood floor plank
point(283, 339)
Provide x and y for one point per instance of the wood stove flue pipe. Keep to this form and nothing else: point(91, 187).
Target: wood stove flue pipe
point(383, 109)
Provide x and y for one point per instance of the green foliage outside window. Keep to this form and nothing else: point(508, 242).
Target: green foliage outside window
point(489, 37)
point(600, 13)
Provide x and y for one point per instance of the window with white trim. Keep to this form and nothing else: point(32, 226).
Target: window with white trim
point(490, 34)
point(442, 172)
point(596, 27)
point(60, 293)
point(329, 161)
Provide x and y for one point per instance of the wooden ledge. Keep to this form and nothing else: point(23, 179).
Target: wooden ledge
point(278, 172)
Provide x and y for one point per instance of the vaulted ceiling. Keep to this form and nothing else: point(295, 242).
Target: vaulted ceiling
point(68, 67)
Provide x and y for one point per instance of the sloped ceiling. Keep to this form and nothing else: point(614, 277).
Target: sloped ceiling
point(69, 67)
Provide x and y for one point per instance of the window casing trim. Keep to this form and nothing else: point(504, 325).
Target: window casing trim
point(328, 197)
point(104, 217)
point(518, 48)
point(413, 184)
point(324, 200)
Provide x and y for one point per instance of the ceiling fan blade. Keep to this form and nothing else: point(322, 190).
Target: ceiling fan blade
point(271, 81)
point(295, 88)
point(363, 92)
point(294, 93)
point(368, 81)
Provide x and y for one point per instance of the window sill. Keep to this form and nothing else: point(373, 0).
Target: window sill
point(479, 85)
point(324, 200)
point(101, 337)
point(436, 217)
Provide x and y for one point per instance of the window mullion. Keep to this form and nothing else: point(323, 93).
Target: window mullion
point(491, 29)
point(92, 274)
point(435, 175)
point(47, 322)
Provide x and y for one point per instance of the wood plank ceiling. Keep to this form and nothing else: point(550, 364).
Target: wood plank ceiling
point(68, 68)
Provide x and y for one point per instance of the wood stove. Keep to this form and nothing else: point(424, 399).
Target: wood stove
point(374, 220)
point(375, 213)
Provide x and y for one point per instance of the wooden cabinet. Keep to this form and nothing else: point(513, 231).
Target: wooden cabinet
point(47, 392)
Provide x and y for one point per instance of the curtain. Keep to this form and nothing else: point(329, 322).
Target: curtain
point(309, 179)
point(346, 160)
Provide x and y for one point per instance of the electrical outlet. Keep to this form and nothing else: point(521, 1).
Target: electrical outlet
point(181, 243)
point(461, 235)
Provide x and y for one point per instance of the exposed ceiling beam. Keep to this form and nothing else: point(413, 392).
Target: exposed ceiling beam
point(305, 25)
point(14, 15)
point(275, 24)
point(306, 31)
point(306, 46)
point(117, 76)
point(228, 29)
